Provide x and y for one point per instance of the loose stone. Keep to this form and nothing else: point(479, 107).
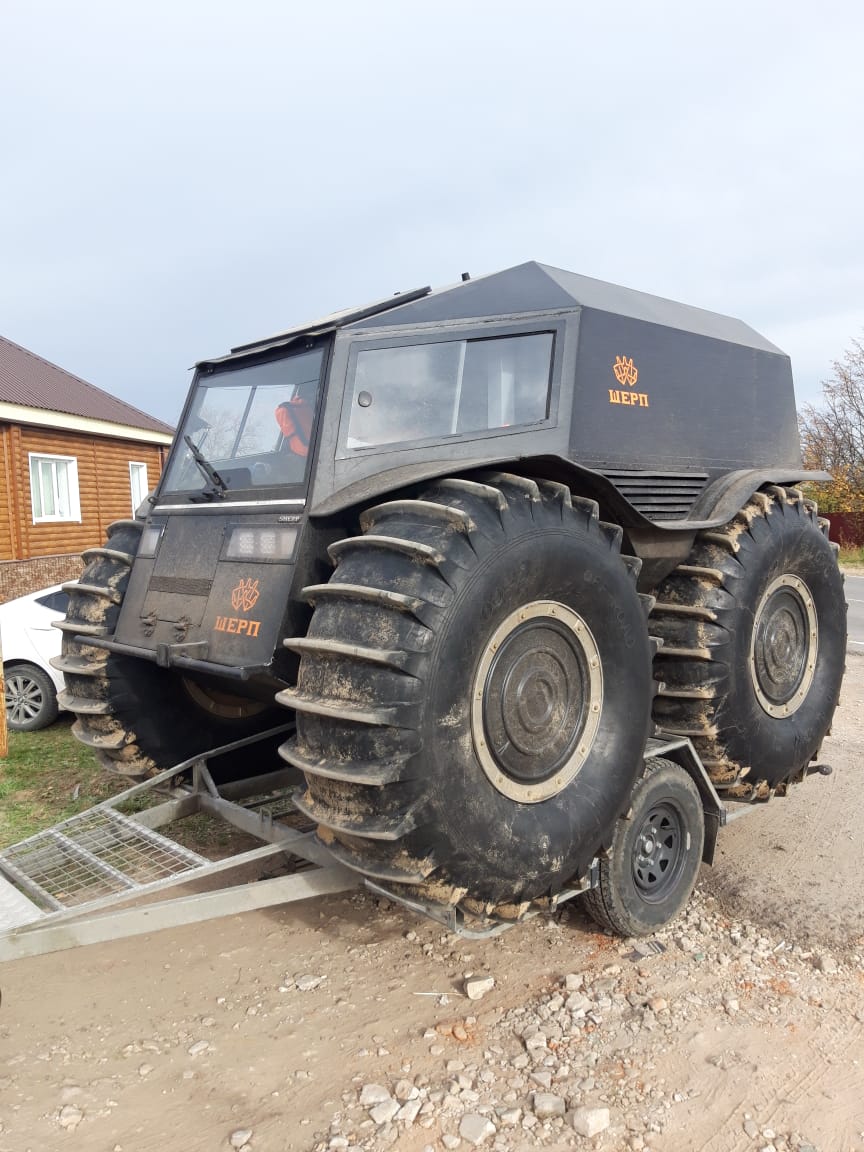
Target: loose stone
point(476, 1128)
point(409, 1111)
point(307, 983)
point(546, 1105)
point(590, 1121)
point(70, 1117)
point(405, 1090)
point(383, 1113)
point(372, 1094)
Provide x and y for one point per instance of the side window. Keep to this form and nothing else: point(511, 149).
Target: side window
point(54, 489)
point(138, 483)
point(506, 382)
point(449, 388)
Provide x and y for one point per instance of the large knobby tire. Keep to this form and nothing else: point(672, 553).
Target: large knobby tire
point(647, 876)
point(754, 631)
point(474, 692)
point(31, 698)
point(137, 718)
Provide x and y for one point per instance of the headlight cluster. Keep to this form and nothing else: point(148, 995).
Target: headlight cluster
point(261, 544)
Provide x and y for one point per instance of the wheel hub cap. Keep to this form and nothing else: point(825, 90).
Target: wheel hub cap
point(658, 853)
point(536, 701)
point(784, 646)
point(24, 699)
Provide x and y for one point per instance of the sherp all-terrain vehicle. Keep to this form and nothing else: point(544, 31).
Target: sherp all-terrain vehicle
point(482, 542)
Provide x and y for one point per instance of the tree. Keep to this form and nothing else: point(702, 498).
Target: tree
point(832, 434)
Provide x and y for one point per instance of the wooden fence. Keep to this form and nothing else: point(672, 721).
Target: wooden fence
point(847, 528)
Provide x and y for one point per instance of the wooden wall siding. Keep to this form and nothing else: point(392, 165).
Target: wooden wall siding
point(103, 481)
point(8, 513)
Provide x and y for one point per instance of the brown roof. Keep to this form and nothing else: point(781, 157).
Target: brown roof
point(27, 379)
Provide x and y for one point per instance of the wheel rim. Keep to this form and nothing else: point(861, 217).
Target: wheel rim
point(658, 853)
point(784, 646)
point(24, 699)
point(536, 701)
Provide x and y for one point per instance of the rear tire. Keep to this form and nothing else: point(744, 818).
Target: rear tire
point(754, 630)
point(474, 692)
point(648, 875)
point(31, 698)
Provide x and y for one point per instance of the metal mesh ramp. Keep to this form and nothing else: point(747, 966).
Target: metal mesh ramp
point(79, 882)
point(99, 853)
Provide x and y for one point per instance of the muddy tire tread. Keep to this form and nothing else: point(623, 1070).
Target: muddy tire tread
point(359, 751)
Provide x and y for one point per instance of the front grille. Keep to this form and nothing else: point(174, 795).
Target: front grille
point(183, 585)
point(660, 495)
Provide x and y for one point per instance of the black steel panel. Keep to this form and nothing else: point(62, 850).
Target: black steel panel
point(189, 595)
point(683, 401)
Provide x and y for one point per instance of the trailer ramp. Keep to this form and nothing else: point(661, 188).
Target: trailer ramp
point(83, 880)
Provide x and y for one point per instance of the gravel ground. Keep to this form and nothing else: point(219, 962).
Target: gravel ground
point(349, 1024)
point(622, 1054)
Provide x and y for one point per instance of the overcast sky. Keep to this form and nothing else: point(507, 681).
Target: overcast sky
point(179, 177)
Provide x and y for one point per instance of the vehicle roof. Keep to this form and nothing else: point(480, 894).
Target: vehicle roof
point(522, 290)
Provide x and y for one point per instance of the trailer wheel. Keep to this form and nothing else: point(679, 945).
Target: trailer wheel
point(754, 630)
point(649, 873)
point(474, 692)
point(137, 718)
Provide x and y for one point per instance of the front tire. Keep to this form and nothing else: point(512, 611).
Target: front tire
point(474, 692)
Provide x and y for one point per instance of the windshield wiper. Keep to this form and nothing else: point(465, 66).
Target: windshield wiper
point(218, 486)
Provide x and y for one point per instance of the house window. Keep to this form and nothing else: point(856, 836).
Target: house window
point(138, 482)
point(54, 489)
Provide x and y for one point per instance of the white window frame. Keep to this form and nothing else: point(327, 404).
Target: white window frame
point(132, 465)
point(71, 463)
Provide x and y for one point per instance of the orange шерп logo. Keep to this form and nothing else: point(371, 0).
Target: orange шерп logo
point(245, 596)
point(625, 370)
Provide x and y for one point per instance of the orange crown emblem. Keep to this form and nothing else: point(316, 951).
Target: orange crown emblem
point(245, 596)
point(625, 370)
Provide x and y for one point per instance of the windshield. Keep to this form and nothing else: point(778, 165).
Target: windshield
point(252, 426)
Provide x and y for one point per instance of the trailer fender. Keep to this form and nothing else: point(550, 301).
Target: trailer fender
point(681, 751)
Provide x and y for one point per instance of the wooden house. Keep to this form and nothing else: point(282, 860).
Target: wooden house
point(72, 459)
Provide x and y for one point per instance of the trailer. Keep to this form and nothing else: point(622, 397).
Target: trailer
point(104, 874)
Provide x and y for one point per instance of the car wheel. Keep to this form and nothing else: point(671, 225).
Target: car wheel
point(31, 699)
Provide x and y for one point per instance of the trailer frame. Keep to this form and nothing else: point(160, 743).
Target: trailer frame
point(66, 886)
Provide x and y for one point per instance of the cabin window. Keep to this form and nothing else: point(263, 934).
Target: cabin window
point(449, 388)
point(54, 489)
point(138, 483)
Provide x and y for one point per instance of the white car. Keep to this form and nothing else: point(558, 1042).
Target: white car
point(29, 641)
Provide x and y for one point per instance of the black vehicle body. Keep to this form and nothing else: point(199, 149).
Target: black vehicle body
point(470, 547)
point(703, 414)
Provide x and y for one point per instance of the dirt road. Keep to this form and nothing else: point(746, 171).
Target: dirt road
point(744, 1032)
